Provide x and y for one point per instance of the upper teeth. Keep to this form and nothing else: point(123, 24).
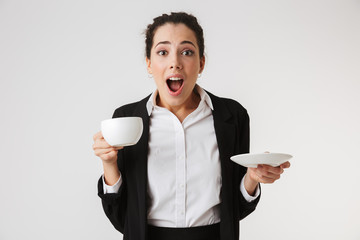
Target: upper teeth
point(174, 78)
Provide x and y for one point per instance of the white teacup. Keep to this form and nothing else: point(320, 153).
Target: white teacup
point(124, 131)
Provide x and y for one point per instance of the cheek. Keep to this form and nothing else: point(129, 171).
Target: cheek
point(193, 65)
point(157, 67)
point(193, 70)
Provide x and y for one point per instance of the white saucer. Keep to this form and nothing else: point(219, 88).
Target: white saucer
point(252, 160)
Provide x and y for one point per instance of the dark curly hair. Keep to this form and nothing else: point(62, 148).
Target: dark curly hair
point(175, 17)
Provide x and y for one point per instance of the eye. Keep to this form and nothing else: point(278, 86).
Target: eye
point(188, 53)
point(162, 52)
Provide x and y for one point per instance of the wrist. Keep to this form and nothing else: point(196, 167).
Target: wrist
point(107, 164)
point(250, 184)
point(111, 173)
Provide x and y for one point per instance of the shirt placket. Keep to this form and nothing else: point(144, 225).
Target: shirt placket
point(180, 198)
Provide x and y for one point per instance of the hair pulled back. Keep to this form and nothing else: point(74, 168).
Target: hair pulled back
point(175, 17)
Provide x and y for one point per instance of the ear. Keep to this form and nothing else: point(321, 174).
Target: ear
point(148, 65)
point(202, 64)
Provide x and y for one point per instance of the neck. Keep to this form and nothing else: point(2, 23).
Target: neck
point(183, 110)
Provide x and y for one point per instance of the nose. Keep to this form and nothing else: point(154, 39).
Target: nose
point(176, 63)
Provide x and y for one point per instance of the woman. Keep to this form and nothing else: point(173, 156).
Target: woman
point(178, 181)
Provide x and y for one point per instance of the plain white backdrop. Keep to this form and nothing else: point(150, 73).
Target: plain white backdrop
point(66, 65)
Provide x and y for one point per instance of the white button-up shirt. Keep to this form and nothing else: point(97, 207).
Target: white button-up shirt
point(184, 172)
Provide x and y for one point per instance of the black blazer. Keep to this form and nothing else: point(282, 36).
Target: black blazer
point(127, 209)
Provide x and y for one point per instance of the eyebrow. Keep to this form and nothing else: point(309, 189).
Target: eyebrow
point(183, 42)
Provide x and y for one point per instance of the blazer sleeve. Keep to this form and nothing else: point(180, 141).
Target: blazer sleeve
point(114, 204)
point(245, 207)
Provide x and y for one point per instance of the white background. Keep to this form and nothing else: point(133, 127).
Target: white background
point(66, 65)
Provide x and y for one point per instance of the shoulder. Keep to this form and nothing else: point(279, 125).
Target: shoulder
point(228, 104)
point(131, 109)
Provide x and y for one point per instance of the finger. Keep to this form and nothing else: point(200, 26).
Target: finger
point(99, 152)
point(267, 168)
point(98, 135)
point(267, 179)
point(101, 143)
point(285, 165)
point(268, 174)
point(109, 156)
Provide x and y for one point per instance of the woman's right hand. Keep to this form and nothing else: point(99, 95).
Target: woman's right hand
point(108, 155)
point(103, 150)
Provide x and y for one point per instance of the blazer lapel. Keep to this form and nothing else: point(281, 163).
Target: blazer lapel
point(225, 132)
point(141, 150)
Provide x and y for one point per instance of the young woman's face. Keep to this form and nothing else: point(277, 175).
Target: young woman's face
point(175, 64)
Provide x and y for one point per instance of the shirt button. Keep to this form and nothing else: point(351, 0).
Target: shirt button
point(182, 213)
point(181, 186)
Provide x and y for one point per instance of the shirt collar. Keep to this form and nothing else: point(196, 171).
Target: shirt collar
point(204, 97)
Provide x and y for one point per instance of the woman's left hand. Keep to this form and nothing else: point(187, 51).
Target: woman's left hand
point(262, 174)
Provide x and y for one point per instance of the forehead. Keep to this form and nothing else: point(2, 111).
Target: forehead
point(174, 33)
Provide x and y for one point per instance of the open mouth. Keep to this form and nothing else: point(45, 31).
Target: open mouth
point(175, 85)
